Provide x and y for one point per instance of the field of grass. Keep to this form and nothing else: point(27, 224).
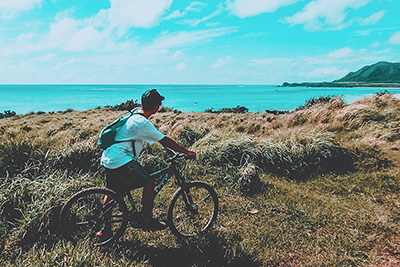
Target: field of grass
point(318, 186)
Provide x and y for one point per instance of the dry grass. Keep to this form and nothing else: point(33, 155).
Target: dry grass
point(315, 187)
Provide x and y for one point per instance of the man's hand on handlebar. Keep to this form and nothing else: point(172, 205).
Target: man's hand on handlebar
point(191, 154)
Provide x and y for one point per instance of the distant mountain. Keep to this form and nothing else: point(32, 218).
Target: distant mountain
point(381, 74)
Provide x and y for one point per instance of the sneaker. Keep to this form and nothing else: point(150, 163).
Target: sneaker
point(153, 225)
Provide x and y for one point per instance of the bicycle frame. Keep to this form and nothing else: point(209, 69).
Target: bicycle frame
point(168, 172)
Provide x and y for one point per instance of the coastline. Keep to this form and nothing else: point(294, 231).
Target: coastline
point(344, 85)
point(34, 98)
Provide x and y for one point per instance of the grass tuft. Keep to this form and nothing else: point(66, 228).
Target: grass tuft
point(296, 157)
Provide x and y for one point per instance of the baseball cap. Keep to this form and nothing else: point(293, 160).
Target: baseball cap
point(151, 98)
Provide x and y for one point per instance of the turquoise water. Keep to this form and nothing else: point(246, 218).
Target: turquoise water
point(26, 98)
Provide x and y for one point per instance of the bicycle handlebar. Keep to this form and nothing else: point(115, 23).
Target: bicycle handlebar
point(176, 155)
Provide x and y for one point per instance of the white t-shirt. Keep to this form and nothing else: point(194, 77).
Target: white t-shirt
point(137, 128)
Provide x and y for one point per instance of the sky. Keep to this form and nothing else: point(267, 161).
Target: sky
point(193, 42)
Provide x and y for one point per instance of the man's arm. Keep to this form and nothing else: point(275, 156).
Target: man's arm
point(169, 143)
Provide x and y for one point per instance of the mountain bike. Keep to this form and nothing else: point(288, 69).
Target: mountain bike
point(192, 210)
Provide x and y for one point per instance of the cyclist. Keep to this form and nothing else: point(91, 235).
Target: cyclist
point(120, 161)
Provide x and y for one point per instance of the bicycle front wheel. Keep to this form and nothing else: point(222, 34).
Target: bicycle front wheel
point(84, 215)
point(192, 211)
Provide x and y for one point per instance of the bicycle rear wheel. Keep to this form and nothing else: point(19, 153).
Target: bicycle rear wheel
point(193, 211)
point(83, 215)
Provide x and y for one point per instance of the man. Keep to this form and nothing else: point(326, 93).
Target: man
point(120, 159)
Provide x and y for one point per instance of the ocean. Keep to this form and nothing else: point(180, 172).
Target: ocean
point(188, 98)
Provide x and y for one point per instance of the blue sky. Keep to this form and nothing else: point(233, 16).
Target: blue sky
point(193, 42)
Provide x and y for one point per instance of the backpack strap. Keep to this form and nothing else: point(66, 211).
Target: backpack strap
point(134, 111)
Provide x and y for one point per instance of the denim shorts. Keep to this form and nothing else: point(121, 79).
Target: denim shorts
point(127, 177)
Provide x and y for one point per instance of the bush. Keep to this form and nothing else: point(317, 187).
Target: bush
point(30, 208)
point(189, 136)
point(19, 154)
point(382, 93)
point(276, 112)
point(245, 180)
point(128, 105)
point(7, 114)
point(363, 116)
point(237, 109)
point(314, 101)
point(82, 157)
point(297, 157)
point(302, 159)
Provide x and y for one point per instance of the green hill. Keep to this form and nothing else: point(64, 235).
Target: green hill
point(381, 72)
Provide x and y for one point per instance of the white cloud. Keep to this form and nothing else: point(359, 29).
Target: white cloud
point(84, 39)
point(175, 14)
point(373, 19)
point(341, 53)
point(47, 57)
point(319, 14)
point(221, 62)
point(183, 38)
point(395, 39)
point(375, 44)
point(68, 62)
point(248, 8)
point(328, 67)
point(181, 66)
point(11, 8)
point(59, 65)
point(196, 6)
point(177, 54)
point(325, 72)
point(25, 37)
point(61, 31)
point(195, 22)
point(136, 13)
point(19, 4)
point(271, 61)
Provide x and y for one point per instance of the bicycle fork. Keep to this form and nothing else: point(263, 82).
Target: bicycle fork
point(188, 199)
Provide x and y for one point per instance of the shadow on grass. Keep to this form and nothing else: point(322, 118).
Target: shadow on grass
point(210, 250)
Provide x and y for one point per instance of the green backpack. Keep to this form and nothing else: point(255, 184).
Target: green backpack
point(107, 135)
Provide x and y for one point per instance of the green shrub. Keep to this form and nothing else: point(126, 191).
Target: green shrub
point(30, 207)
point(297, 159)
point(314, 101)
point(237, 109)
point(128, 105)
point(7, 114)
point(302, 159)
point(189, 136)
point(245, 180)
point(18, 154)
point(81, 157)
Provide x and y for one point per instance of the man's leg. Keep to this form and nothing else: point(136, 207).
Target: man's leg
point(105, 232)
point(142, 179)
point(148, 200)
point(112, 181)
